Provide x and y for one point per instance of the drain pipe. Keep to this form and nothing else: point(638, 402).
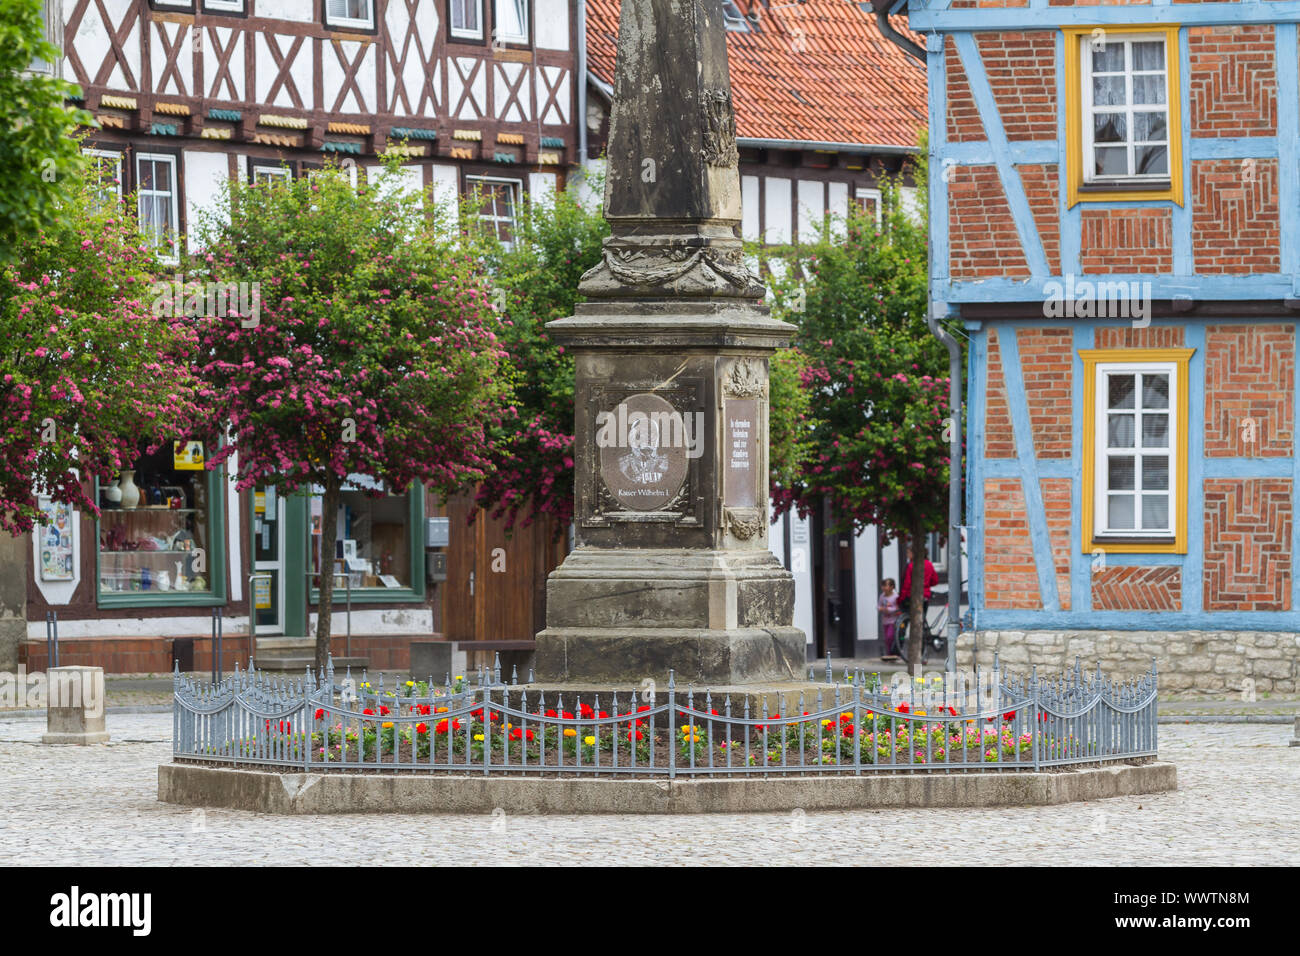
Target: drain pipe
point(582, 86)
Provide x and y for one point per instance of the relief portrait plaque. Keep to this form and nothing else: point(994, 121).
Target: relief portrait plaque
point(644, 444)
point(740, 453)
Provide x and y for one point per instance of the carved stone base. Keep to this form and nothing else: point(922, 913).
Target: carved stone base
point(710, 616)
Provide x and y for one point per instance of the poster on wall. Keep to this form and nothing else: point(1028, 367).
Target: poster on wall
point(187, 455)
point(262, 593)
point(55, 539)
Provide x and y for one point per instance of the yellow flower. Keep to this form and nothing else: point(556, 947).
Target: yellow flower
point(847, 714)
point(920, 713)
point(388, 724)
point(478, 736)
point(460, 677)
point(410, 683)
point(589, 740)
point(827, 722)
point(570, 732)
point(366, 684)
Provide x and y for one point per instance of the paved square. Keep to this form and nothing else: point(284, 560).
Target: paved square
point(1237, 804)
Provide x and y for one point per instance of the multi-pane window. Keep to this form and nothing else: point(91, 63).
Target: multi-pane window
point(156, 187)
point(267, 173)
point(467, 19)
point(105, 169)
point(498, 203)
point(1135, 462)
point(350, 13)
point(733, 18)
point(512, 21)
point(1125, 108)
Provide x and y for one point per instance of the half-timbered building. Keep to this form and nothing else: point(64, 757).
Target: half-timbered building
point(1115, 224)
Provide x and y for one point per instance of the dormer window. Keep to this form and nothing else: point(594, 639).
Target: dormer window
point(733, 18)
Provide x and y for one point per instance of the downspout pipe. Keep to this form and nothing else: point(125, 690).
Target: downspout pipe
point(582, 86)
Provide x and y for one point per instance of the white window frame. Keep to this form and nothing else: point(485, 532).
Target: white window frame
point(1090, 175)
point(263, 171)
point(513, 220)
point(178, 4)
point(116, 158)
point(141, 193)
point(356, 23)
point(464, 33)
point(1103, 453)
point(521, 6)
point(223, 6)
point(732, 18)
point(865, 192)
point(52, 17)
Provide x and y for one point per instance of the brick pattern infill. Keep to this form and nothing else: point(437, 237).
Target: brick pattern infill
point(1126, 241)
point(983, 243)
point(1137, 589)
point(964, 124)
point(1010, 575)
point(1021, 68)
point(1233, 80)
point(1235, 224)
point(1151, 337)
point(1060, 520)
point(1249, 391)
point(1046, 359)
point(999, 439)
point(1041, 185)
point(1247, 544)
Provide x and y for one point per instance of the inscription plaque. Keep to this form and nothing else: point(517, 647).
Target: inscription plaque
point(740, 454)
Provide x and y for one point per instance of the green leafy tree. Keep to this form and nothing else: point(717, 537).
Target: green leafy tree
point(40, 156)
point(877, 382)
point(375, 351)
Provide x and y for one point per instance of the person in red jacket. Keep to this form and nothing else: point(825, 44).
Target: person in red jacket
point(931, 578)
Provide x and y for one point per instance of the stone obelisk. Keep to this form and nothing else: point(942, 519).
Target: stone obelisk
point(671, 568)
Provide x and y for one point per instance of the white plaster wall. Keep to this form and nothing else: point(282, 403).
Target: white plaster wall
point(749, 205)
point(204, 174)
point(542, 186)
point(300, 11)
point(445, 189)
point(551, 31)
point(411, 181)
point(838, 204)
point(865, 585)
point(812, 209)
point(776, 207)
point(399, 619)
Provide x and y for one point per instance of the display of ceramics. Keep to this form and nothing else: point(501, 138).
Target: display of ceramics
point(164, 581)
point(113, 495)
point(130, 493)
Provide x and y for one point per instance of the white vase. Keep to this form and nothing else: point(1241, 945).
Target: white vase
point(130, 493)
point(113, 494)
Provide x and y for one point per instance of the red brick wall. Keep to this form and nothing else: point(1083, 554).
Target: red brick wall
point(983, 240)
point(964, 125)
point(1010, 577)
point(1235, 225)
point(1138, 589)
point(1045, 365)
point(1247, 544)
point(1250, 391)
point(1021, 68)
point(1233, 81)
point(1041, 188)
point(999, 439)
point(1126, 241)
point(1060, 519)
point(1151, 337)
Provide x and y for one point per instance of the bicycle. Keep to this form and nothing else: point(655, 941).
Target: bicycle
point(934, 638)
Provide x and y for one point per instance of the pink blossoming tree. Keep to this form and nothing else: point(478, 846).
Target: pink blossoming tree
point(375, 352)
point(87, 370)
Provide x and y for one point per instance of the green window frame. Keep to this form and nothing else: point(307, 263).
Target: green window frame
point(415, 594)
point(216, 561)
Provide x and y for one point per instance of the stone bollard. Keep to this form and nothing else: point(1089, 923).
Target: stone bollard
point(1295, 741)
point(75, 706)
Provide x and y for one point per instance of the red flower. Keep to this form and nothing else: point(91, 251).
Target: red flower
point(601, 715)
point(518, 733)
point(441, 728)
point(635, 735)
point(566, 715)
point(368, 712)
point(551, 713)
point(586, 711)
point(643, 708)
point(320, 713)
point(902, 708)
point(847, 730)
point(422, 709)
point(421, 729)
point(383, 711)
point(1010, 716)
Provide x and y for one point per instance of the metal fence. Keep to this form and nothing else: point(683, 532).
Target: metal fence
point(485, 725)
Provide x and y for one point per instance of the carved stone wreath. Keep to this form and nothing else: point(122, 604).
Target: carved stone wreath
point(744, 380)
point(705, 270)
point(744, 523)
point(719, 129)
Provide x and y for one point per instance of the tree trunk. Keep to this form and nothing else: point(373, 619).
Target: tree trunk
point(916, 610)
point(329, 532)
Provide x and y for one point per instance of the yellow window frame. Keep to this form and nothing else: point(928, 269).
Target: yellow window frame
point(1075, 192)
point(1181, 358)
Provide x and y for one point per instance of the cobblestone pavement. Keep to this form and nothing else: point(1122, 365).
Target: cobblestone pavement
point(97, 805)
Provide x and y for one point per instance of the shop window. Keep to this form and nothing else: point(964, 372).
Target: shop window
point(160, 532)
point(376, 547)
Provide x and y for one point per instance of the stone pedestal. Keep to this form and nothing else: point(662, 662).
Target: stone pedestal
point(75, 706)
point(13, 598)
point(671, 569)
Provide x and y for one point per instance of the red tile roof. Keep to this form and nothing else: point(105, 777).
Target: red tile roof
point(816, 71)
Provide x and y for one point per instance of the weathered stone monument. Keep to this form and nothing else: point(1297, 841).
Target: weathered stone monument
point(671, 567)
point(74, 710)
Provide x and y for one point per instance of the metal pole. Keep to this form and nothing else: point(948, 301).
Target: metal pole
point(215, 613)
point(218, 616)
point(347, 586)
